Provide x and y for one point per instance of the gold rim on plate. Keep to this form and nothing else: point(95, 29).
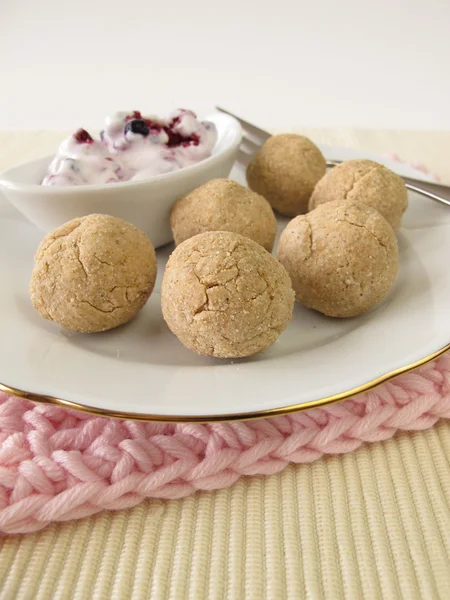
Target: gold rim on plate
point(271, 412)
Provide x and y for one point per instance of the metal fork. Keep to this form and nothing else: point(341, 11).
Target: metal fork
point(435, 191)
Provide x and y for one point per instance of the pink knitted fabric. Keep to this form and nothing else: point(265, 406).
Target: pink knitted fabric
point(57, 464)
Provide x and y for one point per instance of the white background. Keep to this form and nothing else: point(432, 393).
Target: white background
point(282, 63)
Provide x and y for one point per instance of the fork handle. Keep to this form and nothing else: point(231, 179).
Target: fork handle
point(440, 193)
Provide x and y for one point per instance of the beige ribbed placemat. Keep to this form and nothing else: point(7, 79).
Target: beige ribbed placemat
point(371, 524)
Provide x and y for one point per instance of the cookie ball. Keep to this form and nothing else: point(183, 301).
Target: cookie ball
point(223, 295)
point(285, 171)
point(224, 205)
point(342, 258)
point(93, 273)
point(364, 181)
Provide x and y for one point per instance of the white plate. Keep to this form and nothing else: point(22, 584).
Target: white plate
point(141, 371)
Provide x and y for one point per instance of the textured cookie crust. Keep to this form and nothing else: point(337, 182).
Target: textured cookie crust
point(224, 205)
point(224, 295)
point(93, 273)
point(364, 181)
point(342, 258)
point(285, 171)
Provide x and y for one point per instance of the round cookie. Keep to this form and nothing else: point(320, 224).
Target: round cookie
point(93, 273)
point(342, 258)
point(364, 181)
point(285, 171)
point(224, 205)
point(223, 295)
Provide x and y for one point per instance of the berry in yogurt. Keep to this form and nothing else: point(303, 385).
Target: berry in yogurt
point(137, 126)
point(132, 147)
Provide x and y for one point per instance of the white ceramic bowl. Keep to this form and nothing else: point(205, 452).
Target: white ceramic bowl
point(144, 203)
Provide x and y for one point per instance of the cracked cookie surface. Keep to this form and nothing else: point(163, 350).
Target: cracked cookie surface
point(342, 258)
point(367, 182)
point(223, 295)
point(93, 273)
point(285, 171)
point(224, 205)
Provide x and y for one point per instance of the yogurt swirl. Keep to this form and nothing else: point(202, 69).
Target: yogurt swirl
point(132, 147)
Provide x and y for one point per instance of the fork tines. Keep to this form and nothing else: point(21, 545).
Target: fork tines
point(252, 140)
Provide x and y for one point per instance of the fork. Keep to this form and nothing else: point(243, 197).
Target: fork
point(435, 191)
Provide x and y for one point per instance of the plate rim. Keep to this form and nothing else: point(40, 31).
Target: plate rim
point(221, 418)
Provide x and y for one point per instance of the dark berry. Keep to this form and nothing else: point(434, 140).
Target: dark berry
point(137, 126)
point(175, 121)
point(176, 139)
point(83, 137)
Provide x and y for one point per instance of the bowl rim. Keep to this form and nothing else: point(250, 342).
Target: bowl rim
point(233, 144)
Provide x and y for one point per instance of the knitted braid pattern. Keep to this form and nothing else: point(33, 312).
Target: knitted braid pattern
point(57, 464)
